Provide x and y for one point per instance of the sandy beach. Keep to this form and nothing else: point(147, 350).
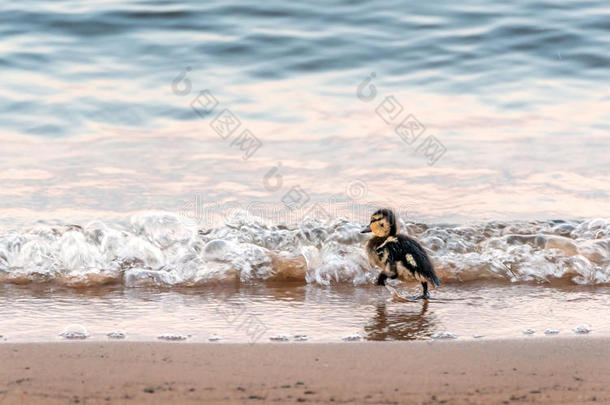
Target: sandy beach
point(550, 370)
point(202, 201)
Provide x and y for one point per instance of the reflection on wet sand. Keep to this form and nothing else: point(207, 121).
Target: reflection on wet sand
point(402, 322)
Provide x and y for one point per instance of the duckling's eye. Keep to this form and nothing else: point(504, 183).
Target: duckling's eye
point(382, 225)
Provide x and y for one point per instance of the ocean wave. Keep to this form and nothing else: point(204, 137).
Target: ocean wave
point(165, 249)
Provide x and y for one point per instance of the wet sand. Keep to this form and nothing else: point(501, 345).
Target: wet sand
point(545, 369)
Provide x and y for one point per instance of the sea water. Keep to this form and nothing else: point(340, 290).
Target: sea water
point(202, 169)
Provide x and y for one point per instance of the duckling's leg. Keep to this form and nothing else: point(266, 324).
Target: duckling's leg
point(426, 294)
point(392, 273)
point(389, 272)
point(382, 278)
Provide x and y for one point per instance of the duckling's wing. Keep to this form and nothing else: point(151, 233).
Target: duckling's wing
point(415, 258)
point(373, 254)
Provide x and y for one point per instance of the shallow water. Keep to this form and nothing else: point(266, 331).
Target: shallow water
point(247, 281)
point(162, 273)
point(259, 312)
point(125, 205)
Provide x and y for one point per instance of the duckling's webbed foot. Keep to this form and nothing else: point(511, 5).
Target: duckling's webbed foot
point(419, 297)
point(398, 297)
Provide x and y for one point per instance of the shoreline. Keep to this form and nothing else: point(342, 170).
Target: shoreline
point(553, 370)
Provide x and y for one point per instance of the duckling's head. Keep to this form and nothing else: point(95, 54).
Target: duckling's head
point(383, 223)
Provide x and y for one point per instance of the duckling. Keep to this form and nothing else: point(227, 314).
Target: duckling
point(397, 255)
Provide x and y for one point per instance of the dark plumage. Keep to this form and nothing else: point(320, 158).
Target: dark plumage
point(398, 256)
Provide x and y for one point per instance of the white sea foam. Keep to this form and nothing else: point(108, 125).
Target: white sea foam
point(164, 249)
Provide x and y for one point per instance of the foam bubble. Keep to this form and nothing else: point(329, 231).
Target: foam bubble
point(172, 337)
point(279, 338)
point(216, 249)
point(529, 331)
point(551, 331)
point(74, 331)
point(116, 335)
point(582, 329)
point(352, 338)
point(444, 335)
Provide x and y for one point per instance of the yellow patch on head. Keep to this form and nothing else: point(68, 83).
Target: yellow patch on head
point(381, 227)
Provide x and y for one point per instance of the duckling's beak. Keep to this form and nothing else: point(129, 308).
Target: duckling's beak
point(366, 229)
